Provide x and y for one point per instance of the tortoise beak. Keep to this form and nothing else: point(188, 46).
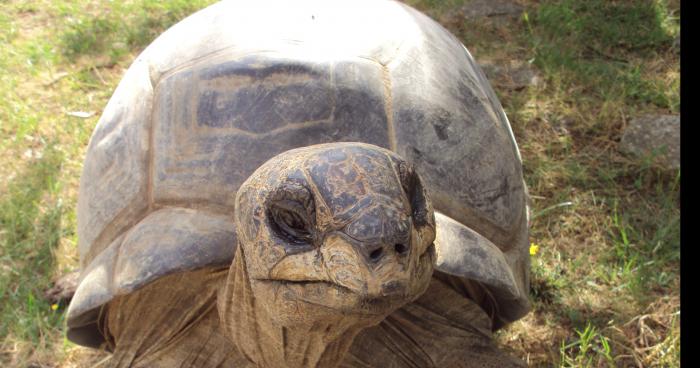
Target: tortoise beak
point(370, 277)
point(342, 263)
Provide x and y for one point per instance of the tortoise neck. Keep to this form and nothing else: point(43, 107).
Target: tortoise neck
point(249, 325)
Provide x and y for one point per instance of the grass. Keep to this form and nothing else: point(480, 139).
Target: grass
point(123, 27)
point(57, 58)
point(605, 281)
point(31, 220)
point(589, 349)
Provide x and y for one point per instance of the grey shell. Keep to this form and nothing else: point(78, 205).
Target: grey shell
point(237, 83)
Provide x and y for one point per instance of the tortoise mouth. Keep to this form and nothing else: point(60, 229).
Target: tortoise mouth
point(305, 283)
point(335, 298)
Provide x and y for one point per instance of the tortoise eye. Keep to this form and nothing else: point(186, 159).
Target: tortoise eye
point(290, 222)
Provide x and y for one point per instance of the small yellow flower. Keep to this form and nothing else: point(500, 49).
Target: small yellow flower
point(534, 248)
point(54, 307)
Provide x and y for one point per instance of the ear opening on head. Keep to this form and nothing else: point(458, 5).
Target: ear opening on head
point(421, 207)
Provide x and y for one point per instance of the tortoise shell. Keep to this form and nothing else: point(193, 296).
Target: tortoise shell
point(237, 83)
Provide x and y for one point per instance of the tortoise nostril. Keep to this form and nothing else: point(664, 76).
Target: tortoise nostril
point(376, 254)
point(400, 248)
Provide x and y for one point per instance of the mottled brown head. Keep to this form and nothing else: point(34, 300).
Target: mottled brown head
point(332, 239)
point(344, 226)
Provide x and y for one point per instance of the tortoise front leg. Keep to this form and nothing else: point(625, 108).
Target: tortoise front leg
point(442, 328)
point(172, 322)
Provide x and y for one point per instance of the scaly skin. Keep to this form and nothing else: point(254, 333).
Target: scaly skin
point(333, 238)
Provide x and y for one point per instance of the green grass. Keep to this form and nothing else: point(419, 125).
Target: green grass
point(589, 349)
point(593, 44)
point(30, 219)
point(605, 282)
point(126, 26)
point(55, 57)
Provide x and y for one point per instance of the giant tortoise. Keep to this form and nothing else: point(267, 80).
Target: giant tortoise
point(316, 183)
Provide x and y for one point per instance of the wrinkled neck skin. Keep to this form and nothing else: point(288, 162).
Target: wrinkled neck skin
point(254, 329)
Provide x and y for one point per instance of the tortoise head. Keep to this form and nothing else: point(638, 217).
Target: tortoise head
point(332, 237)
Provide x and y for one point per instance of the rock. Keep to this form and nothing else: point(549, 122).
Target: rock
point(480, 9)
point(513, 75)
point(63, 288)
point(657, 136)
